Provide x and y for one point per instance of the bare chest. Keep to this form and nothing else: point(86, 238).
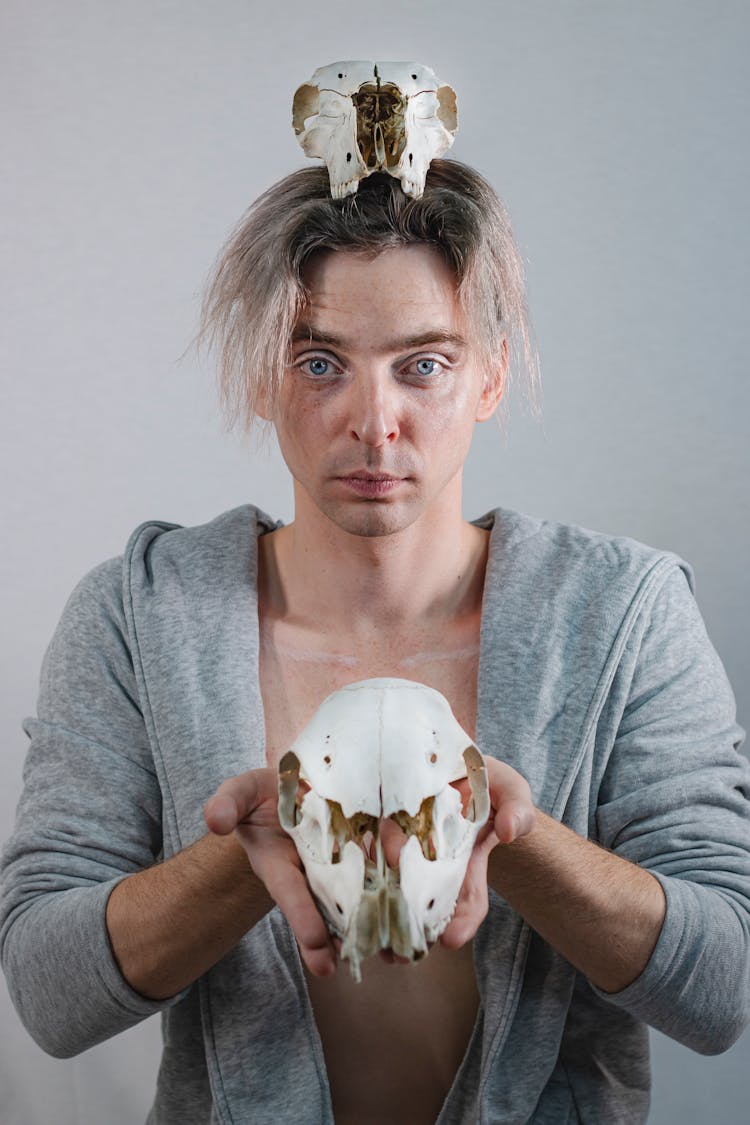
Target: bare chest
point(296, 675)
point(393, 1043)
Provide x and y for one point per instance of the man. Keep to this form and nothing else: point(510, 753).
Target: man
point(373, 333)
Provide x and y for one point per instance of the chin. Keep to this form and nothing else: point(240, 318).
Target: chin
point(371, 519)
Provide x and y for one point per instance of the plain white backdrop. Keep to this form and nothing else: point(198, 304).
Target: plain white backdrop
point(134, 136)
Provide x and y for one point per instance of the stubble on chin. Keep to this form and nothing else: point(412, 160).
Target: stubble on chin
point(369, 519)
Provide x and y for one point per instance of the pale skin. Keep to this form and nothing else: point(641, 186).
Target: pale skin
point(375, 419)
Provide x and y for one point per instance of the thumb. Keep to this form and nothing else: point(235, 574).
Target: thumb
point(514, 819)
point(237, 798)
point(220, 814)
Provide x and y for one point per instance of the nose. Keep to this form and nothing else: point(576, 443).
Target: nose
point(374, 411)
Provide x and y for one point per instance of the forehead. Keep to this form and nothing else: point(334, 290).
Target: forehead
point(398, 285)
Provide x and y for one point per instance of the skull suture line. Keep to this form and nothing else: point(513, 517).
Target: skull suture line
point(377, 749)
point(364, 117)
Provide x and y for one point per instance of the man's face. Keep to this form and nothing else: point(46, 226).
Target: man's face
point(378, 404)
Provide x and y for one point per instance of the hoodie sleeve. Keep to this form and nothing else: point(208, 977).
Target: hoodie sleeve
point(89, 815)
point(675, 799)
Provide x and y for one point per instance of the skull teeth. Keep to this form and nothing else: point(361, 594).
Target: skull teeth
point(342, 189)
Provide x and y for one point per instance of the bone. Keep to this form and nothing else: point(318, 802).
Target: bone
point(383, 748)
point(362, 117)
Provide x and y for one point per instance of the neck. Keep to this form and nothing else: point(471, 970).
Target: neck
point(314, 572)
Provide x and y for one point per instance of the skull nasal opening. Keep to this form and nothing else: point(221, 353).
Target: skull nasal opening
point(381, 133)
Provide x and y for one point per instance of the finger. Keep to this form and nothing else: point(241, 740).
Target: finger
point(286, 883)
point(470, 912)
point(472, 903)
point(514, 819)
point(392, 838)
point(463, 788)
point(320, 962)
point(220, 814)
point(237, 798)
point(510, 795)
point(392, 958)
point(505, 782)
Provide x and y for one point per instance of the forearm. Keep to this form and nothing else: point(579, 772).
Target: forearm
point(170, 923)
point(599, 911)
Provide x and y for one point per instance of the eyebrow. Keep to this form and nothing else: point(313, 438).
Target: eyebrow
point(306, 331)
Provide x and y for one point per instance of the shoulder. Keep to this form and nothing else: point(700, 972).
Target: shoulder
point(577, 562)
point(156, 549)
point(94, 608)
point(97, 605)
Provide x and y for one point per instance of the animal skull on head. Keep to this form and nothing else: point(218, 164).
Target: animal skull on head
point(365, 117)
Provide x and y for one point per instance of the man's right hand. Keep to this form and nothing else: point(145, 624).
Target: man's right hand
point(246, 805)
point(172, 922)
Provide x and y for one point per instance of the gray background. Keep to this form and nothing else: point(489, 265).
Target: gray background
point(133, 136)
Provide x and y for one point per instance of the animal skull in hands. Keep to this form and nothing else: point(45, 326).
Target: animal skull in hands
point(364, 117)
point(379, 750)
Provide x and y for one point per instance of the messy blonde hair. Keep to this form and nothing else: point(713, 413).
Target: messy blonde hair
point(256, 291)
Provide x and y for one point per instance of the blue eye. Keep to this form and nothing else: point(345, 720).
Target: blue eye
point(318, 366)
point(427, 367)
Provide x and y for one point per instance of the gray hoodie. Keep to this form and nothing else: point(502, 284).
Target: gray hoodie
point(596, 681)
